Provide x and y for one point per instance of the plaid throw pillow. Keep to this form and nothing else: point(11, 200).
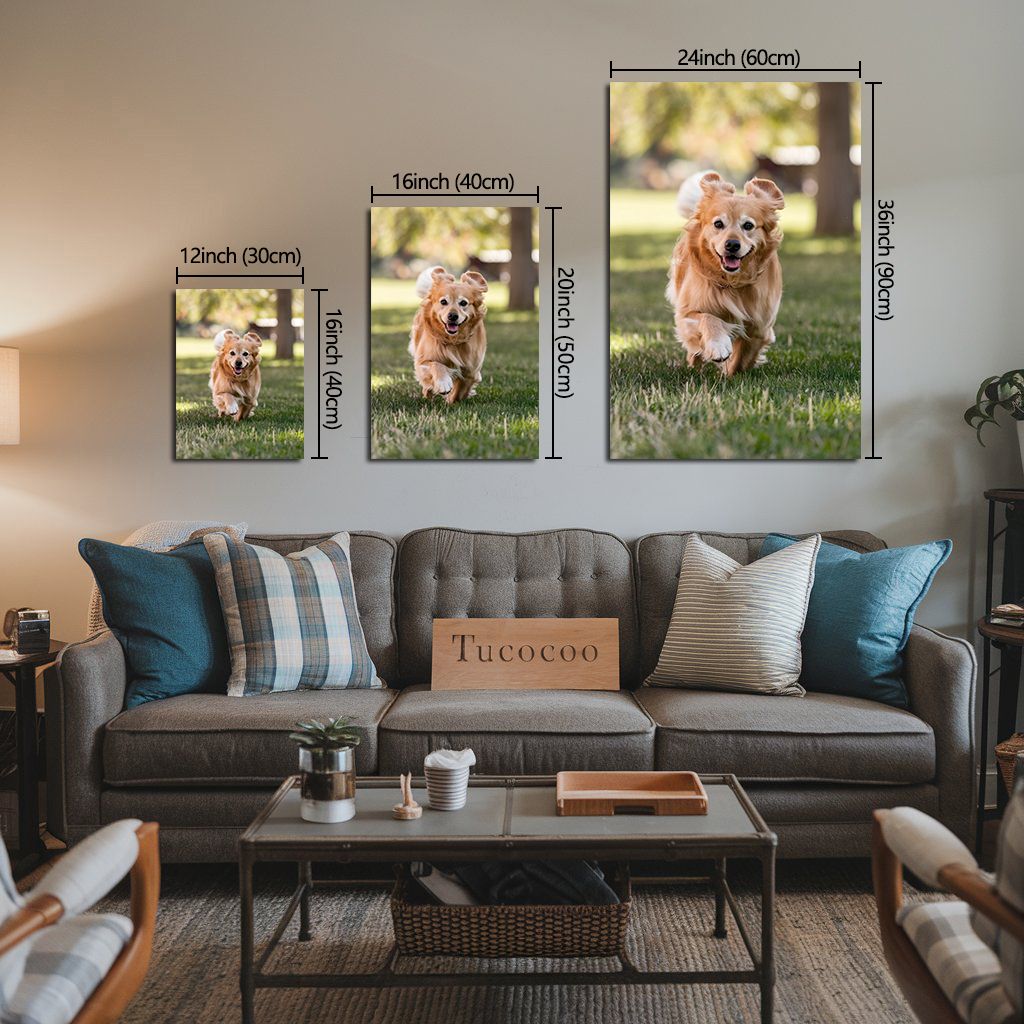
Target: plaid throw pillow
point(291, 621)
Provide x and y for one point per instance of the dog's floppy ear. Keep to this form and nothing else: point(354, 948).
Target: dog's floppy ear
point(225, 337)
point(767, 191)
point(253, 338)
point(712, 183)
point(440, 274)
point(477, 280)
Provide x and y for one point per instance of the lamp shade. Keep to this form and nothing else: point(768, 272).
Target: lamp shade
point(10, 405)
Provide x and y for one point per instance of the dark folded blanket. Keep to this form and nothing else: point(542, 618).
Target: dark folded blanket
point(535, 881)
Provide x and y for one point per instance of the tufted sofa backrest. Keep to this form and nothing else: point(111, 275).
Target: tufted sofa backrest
point(445, 573)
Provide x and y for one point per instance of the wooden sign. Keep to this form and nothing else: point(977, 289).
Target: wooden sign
point(525, 654)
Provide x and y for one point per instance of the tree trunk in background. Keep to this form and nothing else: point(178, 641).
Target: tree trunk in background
point(837, 178)
point(285, 328)
point(520, 268)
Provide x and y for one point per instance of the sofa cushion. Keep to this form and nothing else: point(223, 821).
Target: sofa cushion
point(658, 558)
point(559, 573)
point(860, 616)
point(210, 739)
point(737, 627)
point(164, 610)
point(820, 737)
point(518, 732)
point(373, 572)
point(291, 620)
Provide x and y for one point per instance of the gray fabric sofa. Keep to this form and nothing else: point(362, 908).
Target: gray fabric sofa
point(203, 765)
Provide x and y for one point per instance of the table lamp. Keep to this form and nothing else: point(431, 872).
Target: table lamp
point(10, 413)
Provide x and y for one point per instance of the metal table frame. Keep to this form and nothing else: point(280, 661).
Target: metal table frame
point(758, 845)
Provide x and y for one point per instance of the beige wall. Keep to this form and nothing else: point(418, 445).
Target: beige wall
point(132, 129)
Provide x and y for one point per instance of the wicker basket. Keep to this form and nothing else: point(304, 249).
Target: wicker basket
point(1006, 756)
point(429, 929)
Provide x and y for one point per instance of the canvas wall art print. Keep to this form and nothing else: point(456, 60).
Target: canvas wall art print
point(734, 298)
point(238, 373)
point(454, 333)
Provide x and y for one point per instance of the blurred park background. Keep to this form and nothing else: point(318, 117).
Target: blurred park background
point(805, 402)
point(502, 420)
point(275, 430)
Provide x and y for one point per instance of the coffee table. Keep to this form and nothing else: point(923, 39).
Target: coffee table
point(505, 819)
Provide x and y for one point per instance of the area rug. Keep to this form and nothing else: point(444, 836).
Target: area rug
point(829, 961)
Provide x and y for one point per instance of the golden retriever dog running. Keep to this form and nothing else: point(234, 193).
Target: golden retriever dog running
point(725, 282)
point(235, 374)
point(448, 341)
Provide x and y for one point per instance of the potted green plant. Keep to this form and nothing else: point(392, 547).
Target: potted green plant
point(327, 764)
point(1005, 392)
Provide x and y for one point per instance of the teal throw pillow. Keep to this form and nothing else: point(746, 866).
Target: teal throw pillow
point(164, 609)
point(860, 616)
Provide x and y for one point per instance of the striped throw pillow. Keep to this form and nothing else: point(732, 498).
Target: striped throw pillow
point(291, 621)
point(737, 627)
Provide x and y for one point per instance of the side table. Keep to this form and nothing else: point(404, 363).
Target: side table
point(20, 671)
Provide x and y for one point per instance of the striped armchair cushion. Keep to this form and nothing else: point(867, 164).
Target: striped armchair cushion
point(291, 620)
point(738, 627)
point(10, 901)
point(967, 971)
point(61, 967)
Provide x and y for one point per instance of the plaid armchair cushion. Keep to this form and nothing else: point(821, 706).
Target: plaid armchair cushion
point(967, 971)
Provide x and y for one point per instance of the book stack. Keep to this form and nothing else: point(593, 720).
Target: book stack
point(1007, 615)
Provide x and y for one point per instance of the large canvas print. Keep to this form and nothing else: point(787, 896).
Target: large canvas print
point(454, 333)
point(734, 249)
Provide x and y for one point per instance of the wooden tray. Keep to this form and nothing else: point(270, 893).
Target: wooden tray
point(597, 793)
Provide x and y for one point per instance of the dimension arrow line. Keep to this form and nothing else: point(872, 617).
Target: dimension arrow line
point(874, 272)
point(732, 71)
point(319, 350)
point(456, 195)
point(554, 377)
point(178, 275)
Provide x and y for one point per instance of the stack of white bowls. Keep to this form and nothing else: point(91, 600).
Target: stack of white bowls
point(447, 787)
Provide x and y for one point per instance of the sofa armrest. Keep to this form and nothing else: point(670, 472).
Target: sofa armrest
point(940, 673)
point(85, 689)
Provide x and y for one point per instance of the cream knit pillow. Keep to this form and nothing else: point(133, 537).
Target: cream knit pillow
point(737, 627)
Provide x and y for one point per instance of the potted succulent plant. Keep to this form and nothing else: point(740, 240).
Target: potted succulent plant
point(1005, 392)
point(327, 763)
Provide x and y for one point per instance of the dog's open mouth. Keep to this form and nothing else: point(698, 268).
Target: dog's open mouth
point(730, 264)
point(452, 328)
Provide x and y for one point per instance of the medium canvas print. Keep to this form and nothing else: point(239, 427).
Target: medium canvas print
point(238, 369)
point(734, 302)
point(454, 333)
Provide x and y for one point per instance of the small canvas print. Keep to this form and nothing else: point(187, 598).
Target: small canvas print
point(454, 333)
point(238, 373)
point(734, 299)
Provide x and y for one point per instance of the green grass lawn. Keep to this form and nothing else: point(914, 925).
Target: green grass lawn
point(276, 428)
point(500, 422)
point(803, 404)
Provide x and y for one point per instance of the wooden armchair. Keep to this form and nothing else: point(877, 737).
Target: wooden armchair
point(962, 980)
point(49, 922)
